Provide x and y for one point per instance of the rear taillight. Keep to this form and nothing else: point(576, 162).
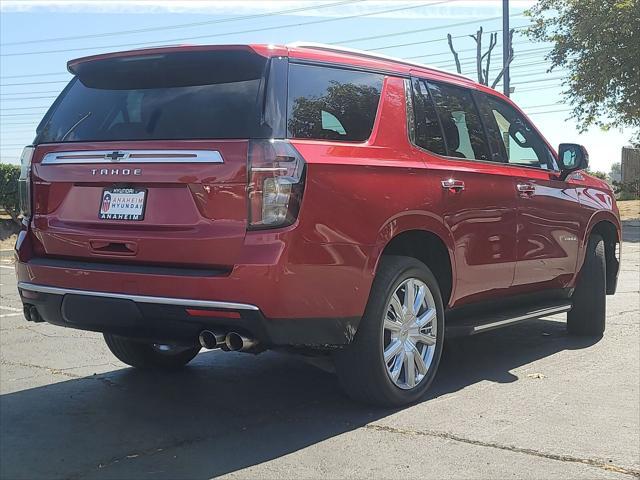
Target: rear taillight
point(276, 183)
point(24, 182)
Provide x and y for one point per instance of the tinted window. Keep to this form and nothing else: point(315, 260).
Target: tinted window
point(173, 96)
point(331, 103)
point(460, 121)
point(428, 133)
point(521, 144)
point(494, 136)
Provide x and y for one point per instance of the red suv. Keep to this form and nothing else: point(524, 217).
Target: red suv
point(311, 198)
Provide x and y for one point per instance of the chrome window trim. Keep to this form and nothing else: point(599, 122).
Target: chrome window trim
point(31, 287)
point(132, 156)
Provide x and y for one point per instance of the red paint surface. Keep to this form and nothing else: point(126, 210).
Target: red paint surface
point(358, 197)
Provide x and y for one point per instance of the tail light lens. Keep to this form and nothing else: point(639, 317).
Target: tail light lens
point(276, 183)
point(24, 181)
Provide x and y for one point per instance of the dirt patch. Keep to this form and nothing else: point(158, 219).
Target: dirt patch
point(629, 209)
point(8, 233)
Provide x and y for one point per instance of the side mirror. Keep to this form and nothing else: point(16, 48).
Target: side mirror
point(572, 157)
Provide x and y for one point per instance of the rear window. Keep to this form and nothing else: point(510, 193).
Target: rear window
point(176, 96)
point(332, 103)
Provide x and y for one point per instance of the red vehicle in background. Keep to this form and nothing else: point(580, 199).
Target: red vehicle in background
point(305, 197)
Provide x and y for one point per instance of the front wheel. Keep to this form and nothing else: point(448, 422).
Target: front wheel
point(395, 354)
point(149, 355)
point(588, 315)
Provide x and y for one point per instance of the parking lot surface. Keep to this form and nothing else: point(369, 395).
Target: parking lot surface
point(526, 402)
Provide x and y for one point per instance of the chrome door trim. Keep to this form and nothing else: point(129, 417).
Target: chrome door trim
point(111, 157)
point(31, 287)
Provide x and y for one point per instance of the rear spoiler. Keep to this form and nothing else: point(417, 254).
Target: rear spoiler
point(75, 65)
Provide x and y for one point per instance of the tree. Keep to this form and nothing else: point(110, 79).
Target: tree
point(483, 71)
point(9, 190)
point(615, 174)
point(598, 174)
point(598, 42)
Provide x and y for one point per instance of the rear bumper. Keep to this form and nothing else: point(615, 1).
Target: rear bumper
point(166, 319)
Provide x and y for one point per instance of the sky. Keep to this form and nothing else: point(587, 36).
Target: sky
point(38, 37)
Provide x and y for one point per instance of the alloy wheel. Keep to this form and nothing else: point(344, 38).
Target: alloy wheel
point(409, 333)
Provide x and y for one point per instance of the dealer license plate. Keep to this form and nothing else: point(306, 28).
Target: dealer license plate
point(122, 204)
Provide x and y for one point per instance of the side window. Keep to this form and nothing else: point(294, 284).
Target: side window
point(330, 122)
point(494, 135)
point(460, 121)
point(428, 133)
point(332, 103)
point(522, 145)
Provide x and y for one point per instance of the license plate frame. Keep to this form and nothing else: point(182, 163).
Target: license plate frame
point(123, 204)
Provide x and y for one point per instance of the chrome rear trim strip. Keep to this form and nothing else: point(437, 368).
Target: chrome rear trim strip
point(527, 316)
point(111, 157)
point(31, 287)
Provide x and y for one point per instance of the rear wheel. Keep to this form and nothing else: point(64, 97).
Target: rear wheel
point(395, 354)
point(149, 355)
point(588, 315)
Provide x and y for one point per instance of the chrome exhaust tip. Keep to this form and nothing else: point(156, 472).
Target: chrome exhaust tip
point(210, 339)
point(236, 342)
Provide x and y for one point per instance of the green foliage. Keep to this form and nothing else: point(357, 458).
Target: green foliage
point(598, 42)
point(615, 174)
point(627, 190)
point(597, 174)
point(9, 189)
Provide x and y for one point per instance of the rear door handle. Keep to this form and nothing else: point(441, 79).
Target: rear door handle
point(452, 185)
point(526, 188)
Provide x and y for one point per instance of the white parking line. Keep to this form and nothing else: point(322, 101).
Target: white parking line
point(5, 315)
point(7, 266)
point(11, 309)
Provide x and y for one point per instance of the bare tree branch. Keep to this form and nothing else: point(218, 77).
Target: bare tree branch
point(478, 38)
point(493, 40)
point(507, 63)
point(455, 54)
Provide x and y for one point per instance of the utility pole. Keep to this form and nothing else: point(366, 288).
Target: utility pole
point(506, 48)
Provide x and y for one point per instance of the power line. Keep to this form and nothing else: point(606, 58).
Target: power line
point(550, 111)
point(542, 106)
point(34, 75)
point(25, 98)
point(32, 83)
point(41, 107)
point(447, 52)
point(13, 94)
point(539, 80)
point(20, 114)
point(532, 89)
point(253, 30)
point(23, 108)
point(422, 30)
point(178, 26)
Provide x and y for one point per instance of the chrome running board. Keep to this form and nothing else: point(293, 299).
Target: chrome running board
point(488, 322)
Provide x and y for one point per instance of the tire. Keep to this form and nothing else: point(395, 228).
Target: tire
point(588, 315)
point(361, 367)
point(148, 355)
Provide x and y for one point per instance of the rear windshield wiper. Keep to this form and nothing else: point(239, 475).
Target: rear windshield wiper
point(73, 127)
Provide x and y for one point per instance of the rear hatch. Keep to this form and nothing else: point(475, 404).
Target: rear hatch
point(143, 158)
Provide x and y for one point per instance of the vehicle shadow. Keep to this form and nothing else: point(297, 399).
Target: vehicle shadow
point(223, 413)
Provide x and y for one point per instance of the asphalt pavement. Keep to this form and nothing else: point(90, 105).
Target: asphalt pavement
point(526, 401)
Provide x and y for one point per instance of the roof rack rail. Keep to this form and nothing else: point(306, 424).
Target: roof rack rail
point(364, 53)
